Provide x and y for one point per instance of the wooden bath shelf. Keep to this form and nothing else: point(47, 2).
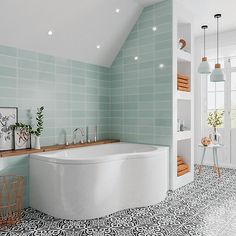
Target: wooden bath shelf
point(12, 153)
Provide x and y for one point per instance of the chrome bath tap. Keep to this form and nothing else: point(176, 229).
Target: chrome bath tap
point(81, 131)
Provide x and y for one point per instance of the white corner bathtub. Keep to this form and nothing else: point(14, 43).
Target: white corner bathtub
point(92, 182)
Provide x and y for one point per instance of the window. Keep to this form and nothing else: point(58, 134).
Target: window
point(215, 94)
point(233, 100)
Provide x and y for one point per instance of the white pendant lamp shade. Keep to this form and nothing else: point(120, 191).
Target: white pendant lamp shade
point(204, 67)
point(217, 74)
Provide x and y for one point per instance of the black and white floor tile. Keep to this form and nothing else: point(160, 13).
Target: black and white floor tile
point(205, 207)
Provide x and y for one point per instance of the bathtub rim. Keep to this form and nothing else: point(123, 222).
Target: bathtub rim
point(105, 158)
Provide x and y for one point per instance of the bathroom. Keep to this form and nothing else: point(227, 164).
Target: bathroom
point(114, 110)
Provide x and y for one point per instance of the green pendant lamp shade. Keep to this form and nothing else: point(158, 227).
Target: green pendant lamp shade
point(204, 67)
point(217, 74)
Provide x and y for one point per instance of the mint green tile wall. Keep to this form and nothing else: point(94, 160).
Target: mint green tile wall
point(131, 101)
point(74, 94)
point(141, 91)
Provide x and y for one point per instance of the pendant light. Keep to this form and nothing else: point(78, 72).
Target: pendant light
point(204, 67)
point(217, 74)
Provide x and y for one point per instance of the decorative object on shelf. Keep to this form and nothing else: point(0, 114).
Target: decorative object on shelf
point(178, 125)
point(215, 120)
point(206, 141)
point(182, 168)
point(217, 74)
point(11, 189)
point(183, 83)
point(204, 67)
point(37, 133)
point(8, 117)
point(22, 135)
point(182, 44)
point(182, 127)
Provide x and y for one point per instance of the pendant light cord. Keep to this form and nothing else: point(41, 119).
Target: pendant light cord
point(217, 40)
point(204, 42)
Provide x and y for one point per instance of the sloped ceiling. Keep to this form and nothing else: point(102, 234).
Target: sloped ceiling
point(78, 26)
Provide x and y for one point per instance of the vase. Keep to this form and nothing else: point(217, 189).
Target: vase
point(215, 137)
point(37, 142)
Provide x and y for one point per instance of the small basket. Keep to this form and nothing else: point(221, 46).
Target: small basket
point(11, 188)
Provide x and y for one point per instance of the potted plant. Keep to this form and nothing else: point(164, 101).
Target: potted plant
point(215, 120)
point(38, 131)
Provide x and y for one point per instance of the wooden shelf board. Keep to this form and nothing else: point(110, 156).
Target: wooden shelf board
point(12, 153)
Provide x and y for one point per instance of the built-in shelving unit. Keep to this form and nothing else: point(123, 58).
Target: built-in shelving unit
point(183, 103)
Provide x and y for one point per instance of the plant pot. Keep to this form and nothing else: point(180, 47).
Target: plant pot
point(37, 142)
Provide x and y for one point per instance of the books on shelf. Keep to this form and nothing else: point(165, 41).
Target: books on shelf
point(183, 83)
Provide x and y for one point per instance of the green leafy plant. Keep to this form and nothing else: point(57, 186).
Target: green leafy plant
point(39, 119)
point(28, 128)
point(19, 125)
point(215, 119)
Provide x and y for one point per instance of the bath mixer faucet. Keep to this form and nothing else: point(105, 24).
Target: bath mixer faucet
point(81, 130)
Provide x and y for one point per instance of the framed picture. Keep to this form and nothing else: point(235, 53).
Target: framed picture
point(8, 117)
point(22, 139)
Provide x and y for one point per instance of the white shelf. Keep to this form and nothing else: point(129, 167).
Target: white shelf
point(182, 135)
point(184, 56)
point(185, 179)
point(184, 95)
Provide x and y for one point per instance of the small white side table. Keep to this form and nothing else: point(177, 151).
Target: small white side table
point(214, 148)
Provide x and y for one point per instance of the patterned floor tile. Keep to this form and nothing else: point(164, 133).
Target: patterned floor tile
point(205, 207)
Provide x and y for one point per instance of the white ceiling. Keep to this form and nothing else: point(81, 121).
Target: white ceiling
point(78, 26)
point(204, 11)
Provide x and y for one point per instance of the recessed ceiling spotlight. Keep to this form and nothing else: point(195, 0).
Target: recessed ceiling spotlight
point(50, 33)
point(154, 28)
point(98, 46)
point(136, 58)
point(117, 10)
point(161, 66)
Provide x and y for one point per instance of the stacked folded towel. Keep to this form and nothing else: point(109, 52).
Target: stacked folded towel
point(182, 168)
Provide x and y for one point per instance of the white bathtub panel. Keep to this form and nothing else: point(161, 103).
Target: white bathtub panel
point(89, 191)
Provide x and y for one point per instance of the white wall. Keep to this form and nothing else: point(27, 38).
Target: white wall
point(228, 48)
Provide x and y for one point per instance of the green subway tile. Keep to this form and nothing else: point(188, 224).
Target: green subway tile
point(78, 80)
point(9, 51)
point(46, 58)
point(62, 62)
point(27, 64)
point(44, 76)
point(46, 67)
point(63, 70)
point(27, 74)
point(78, 72)
point(91, 67)
point(7, 71)
point(27, 84)
point(27, 54)
point(91, 74)
point(7, 92)
point(63, 78)
point(7, 61)
point(78, 65)
point(8, 82)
